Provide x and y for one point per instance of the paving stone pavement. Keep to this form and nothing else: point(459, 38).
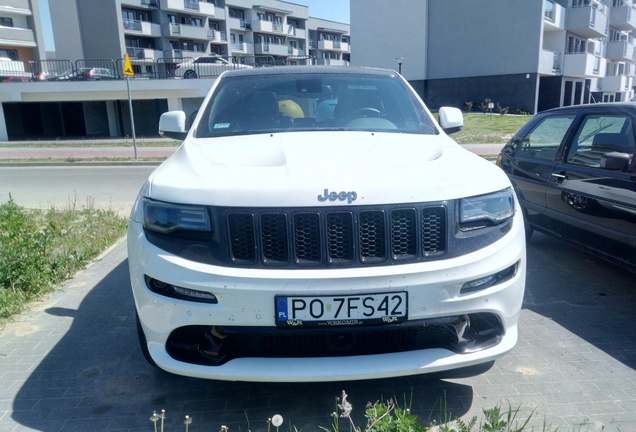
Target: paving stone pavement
point(72, 363)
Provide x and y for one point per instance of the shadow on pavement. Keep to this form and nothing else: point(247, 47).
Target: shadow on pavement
point(95, 378)
point(589, 298)
point(93, 375)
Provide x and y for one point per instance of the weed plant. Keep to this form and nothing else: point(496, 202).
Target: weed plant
point(388, 416)
point(39, 249)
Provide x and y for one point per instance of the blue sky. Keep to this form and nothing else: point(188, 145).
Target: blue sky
point(333, 10)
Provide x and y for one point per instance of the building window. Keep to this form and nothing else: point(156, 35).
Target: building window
point(576, 45)
point(6, 22)
point(236, 13)
point(9, 53)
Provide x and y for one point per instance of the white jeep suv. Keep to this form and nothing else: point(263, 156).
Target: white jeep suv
point(317, 224)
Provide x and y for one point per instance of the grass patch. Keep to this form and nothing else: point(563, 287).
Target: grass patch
point(489, 129)
point(40, 249)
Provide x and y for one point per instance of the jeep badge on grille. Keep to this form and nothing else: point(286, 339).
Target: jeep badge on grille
point(338, 196)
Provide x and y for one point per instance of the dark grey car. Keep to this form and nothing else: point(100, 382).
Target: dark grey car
point(574, 171)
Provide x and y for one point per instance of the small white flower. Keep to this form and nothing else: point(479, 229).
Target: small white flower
point(277, 420)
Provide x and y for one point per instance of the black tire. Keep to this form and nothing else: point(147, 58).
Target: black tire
point(143, 343)
point(189, 74)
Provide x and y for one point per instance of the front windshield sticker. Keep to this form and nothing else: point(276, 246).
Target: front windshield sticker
point(221, 125)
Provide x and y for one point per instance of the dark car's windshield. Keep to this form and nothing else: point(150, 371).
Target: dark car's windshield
point(313, 102)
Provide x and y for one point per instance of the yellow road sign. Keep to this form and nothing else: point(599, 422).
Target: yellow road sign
point(128, 69)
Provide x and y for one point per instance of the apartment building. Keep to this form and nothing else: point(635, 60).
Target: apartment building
point(154, 33)
point(525, 55)
point(20, 31)
point(329, 42)
point(264, 31)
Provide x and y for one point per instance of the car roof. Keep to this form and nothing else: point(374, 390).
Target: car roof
point(285, 70)
point(593, 106)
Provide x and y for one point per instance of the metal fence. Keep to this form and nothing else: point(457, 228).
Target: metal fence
point(162, 68)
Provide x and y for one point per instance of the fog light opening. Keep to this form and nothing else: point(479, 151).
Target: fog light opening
point(177, 292)
point(490, 280)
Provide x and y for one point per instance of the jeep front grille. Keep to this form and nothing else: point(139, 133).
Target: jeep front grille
point(335, 237)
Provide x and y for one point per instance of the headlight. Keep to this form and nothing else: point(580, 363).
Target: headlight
point(486, 210)
point(167, 218)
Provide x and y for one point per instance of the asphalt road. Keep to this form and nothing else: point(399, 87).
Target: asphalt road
point(73, 362)
point(113, 187)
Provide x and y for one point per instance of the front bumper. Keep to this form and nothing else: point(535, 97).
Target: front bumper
point(246, 305)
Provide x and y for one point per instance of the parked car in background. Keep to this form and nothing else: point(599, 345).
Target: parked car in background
point(575, 175)
point(13, 70)
point(86, 74)
point(277, 244)
point(206, 67)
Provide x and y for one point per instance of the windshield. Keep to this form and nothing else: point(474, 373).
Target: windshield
point(313, 102)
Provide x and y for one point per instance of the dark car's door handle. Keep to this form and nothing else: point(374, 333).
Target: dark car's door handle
point(558, 178)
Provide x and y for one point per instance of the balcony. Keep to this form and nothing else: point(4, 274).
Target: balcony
point(185, 31)
point(617, 83)
point(143, 53)
point(620, 50)
point(239, 24)
point(141, 3)
point(623, 18)
point(553, 16)
point(263, 26)
point(296, 32)
point(587, 21)
point(327, 45)
point(217, 36)
point(582, 65)
point(550, 63)
point(296, 52)
point(332, 62)
point(242, 48)
point(21, 7)
point(17, 37)
point(190, 6)
point(270, 49)
point(142, 28)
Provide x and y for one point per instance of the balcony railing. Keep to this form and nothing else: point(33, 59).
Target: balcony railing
point(132, 25)
point(582, 65)
point(550, 62)
point(548, 10)
point(191, 4)
point(588, 21)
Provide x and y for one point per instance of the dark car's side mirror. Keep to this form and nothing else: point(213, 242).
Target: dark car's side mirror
point(615, 161)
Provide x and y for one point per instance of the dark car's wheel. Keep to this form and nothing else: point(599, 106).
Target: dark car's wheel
point(143, 343)
point(189, 74)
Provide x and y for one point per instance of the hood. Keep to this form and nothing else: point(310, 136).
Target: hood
point(296, 169)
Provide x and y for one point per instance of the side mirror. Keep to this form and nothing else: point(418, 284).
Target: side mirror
point(172, 124)
point(615, 161)
point(451, 119)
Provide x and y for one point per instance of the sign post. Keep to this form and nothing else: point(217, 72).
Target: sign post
point(128, 71)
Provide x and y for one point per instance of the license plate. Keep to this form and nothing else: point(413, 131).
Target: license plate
point(378, 308)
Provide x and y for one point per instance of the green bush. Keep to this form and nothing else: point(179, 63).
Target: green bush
point(39, 249)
